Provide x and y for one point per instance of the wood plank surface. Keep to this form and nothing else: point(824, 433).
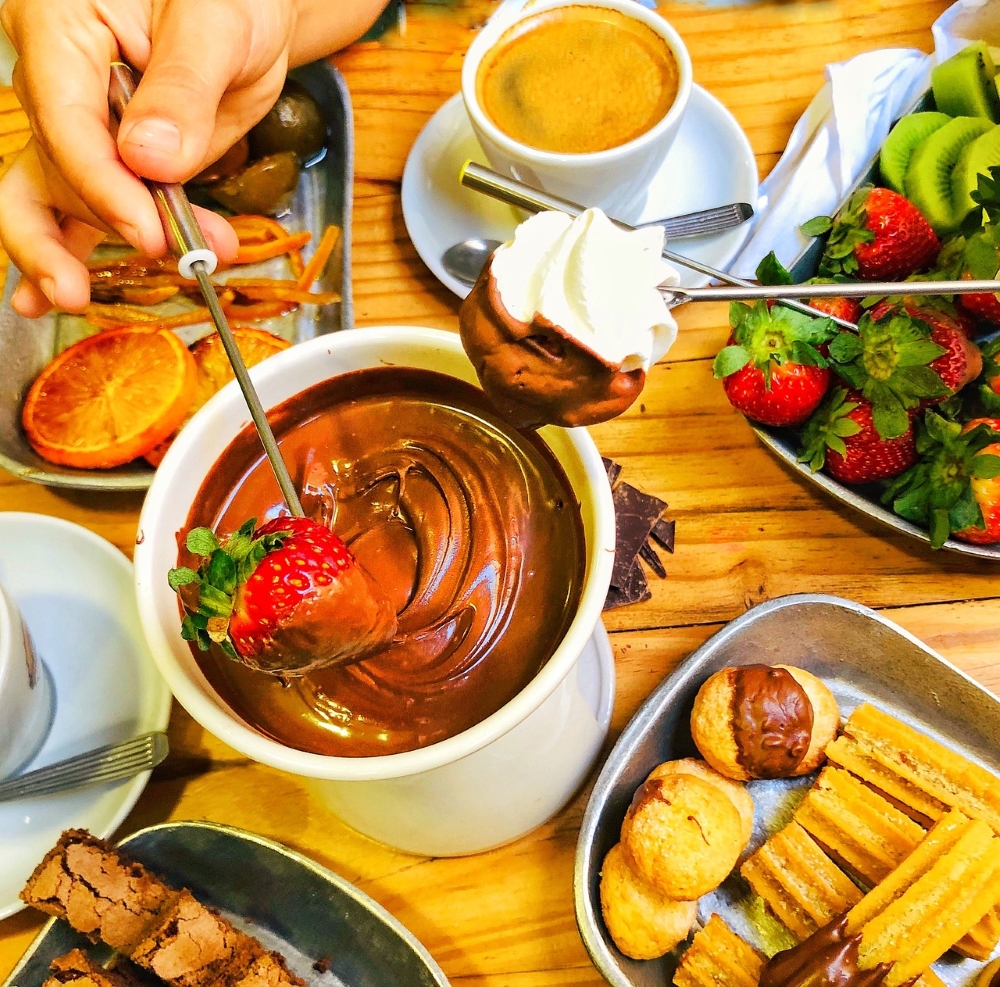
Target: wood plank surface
point(748, 529)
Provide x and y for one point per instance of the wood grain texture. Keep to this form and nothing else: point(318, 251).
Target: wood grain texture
point(747, 528)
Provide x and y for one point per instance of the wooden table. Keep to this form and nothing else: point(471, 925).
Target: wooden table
point(747, 529)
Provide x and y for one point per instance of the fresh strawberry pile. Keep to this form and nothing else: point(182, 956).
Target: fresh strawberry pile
point(910, 399)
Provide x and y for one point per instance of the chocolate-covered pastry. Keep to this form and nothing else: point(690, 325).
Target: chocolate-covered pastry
point(764, 721)
point(565, 320)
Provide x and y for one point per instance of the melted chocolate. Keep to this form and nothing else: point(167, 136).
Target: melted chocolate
point(826, 959)
point(533, 372)
point(772, 721)
point(471, 529)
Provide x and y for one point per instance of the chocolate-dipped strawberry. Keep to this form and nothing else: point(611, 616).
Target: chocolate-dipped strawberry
point(566, 320)
point(286, 598)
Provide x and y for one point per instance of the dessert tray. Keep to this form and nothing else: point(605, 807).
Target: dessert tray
point(862, 657)
point(330, 933)
point(323, 197)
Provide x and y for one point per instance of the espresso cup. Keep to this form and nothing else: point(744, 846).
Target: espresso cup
point(615, 179)
point(25, 697)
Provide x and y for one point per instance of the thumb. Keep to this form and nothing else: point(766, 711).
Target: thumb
point(166, 132)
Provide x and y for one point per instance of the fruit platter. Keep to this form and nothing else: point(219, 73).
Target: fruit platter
point(879, 440)
point(291, 282)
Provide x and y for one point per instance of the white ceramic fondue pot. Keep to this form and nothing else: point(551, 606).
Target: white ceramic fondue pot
point(481, 788)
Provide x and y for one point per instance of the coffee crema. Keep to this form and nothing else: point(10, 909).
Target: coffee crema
point(470, 527)
point(577, 79)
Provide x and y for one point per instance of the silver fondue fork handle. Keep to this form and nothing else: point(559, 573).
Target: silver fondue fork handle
point(100, 766)
point(704, 221)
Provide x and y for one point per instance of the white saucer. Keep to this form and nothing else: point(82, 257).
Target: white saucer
point(74, 590)
point(710, 164)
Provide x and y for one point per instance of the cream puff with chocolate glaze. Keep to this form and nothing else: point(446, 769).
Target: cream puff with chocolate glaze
point(764, 721)
point(643, 921)
point(566, 320)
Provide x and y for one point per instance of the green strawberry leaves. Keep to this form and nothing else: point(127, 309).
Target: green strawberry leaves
point(827, 429)
point(887, 361)
point(847, 231)
point(763, 336)
point(226, 567)
point(771, 271)
point(937, 492)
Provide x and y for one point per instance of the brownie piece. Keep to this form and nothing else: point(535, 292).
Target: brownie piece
point(77, 969)
point(269, 970)
point(193, 946)
point(98, 890)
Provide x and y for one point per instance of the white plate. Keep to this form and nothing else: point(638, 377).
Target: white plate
point(710, 164)
point(74, 590)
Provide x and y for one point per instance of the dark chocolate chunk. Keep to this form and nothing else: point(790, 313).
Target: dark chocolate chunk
point(651, 559)
point(614, 469)
point(322, 964)
point(635, 515)
point(634, 589)
point(663, 532)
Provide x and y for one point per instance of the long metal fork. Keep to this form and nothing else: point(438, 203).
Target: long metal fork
point(113, 762)
point(704, 221)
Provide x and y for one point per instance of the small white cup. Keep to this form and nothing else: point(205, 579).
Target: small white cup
point(25, 694)
point(616, 179)
point(479, 789)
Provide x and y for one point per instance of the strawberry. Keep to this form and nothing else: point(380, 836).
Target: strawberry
point(961, 362)
point(887, 361)
point(841, 436)
point(878, 236)
point(772, 370)
point(287, 598)
point(984, 305)
point(848, 309)
point(954, 489)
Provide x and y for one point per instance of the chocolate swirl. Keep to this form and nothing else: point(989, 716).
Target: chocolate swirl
point(469, 527)
point(772, 721)
point(828, 958)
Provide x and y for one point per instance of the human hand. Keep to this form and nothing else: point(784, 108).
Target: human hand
point(212, 68)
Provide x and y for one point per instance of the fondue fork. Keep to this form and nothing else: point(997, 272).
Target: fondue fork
point(509, 190)
point(196, 261)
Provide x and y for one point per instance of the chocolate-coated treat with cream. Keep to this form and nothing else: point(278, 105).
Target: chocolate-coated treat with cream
point(566, 319)
point(764, 721)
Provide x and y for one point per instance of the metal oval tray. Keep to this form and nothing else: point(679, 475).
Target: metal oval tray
point(331, 934)
point(783, 442)
point(323, 196)
point(863, 658)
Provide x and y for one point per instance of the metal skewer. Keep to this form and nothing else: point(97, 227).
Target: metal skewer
point(515, 193)
point(196, 261)
point(784, 292)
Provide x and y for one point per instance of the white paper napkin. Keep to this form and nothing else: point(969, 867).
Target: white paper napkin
point(838, 136)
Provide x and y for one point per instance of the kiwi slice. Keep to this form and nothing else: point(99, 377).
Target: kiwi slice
point(902, 139)
point(964, 87)
point(928, 177)
point(977, 157)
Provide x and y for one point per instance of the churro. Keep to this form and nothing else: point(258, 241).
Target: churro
point(799, 882)
point(862, 831)
point(718, 957)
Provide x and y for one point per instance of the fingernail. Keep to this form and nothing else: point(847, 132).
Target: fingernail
point(48, 289)
point(19, 297)
point(157, 135)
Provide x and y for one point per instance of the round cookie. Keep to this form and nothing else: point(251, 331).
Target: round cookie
point(737, 794)
point(643, 922)
point(681, 837)
point(764, 721)
point(987, 975)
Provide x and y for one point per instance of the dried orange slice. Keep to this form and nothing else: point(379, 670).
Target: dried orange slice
point(110, 398)
point(214, 370)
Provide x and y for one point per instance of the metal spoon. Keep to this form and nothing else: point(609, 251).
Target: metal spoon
point(464, 261)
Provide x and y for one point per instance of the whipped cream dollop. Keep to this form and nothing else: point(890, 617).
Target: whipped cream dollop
point(595, 281)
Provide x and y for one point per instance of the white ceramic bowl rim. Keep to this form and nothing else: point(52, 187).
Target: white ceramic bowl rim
point(491, 34)
point(7, 645)
point(216, 716)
